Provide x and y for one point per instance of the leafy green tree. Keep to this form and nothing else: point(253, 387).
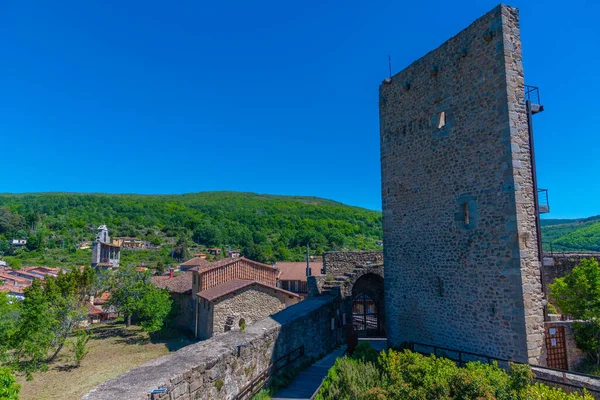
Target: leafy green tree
point(9, 314)
point(80, 349)
point(578, 294)
point(9, 389)
point(133, 295)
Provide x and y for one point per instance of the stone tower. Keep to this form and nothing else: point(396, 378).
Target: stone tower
point(462, 268)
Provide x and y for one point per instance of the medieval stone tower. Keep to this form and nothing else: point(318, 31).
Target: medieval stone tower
point(462, 266)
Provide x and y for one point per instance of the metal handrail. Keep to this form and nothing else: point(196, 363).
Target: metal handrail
point(259, 382)
point(490, 360)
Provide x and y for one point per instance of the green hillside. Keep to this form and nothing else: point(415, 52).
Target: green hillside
point(267, 228)
point(571, 234)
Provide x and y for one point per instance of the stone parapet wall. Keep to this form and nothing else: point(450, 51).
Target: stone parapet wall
point(557, 265)
point(338, 262)
point(220, 367)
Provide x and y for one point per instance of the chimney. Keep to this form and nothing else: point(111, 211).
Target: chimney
point(92, 299)
point(170, 273)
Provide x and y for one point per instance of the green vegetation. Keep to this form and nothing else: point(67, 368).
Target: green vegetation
point(134, 295)
point(577, 294)
point(9, 389)
point(571, 235)
point(412, 376)
point(267, 228)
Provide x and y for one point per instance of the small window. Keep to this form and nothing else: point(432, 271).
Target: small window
point(466, 213)
point(442, 121)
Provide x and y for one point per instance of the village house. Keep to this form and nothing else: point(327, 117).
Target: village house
point(235, 292)
point(214, 251)
point(293, 275)
point(180, 289)
point(129, 242)
point(18, 243)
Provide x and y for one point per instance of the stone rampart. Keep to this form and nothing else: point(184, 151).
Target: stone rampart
point(219, 368)
point(338, 262)
point(557, 265)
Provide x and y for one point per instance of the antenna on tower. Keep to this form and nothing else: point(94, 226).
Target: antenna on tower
point(390, 64)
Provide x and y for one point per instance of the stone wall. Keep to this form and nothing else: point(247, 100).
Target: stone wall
point(252, 304)
point(220, 367)
point(461, 263)
point(338, 262)
point(557, 265)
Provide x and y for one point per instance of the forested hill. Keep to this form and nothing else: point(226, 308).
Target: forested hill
point(266, 227)
point(580, 235)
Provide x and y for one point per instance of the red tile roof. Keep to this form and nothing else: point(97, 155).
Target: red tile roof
point(19, 279)
point(234, 285)
point(196, 262)
point(178, 284)
point(296, 271)
point(92, 310)
point(227, 261)
point(12, 289)
point(103, 298)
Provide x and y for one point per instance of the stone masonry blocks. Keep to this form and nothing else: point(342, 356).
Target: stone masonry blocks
point(461, 262)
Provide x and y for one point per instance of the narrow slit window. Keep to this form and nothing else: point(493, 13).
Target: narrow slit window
point(442, 121)
point(466, 212)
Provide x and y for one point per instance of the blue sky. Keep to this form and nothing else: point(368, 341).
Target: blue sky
point(272, 97)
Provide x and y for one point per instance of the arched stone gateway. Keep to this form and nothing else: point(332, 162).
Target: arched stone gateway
point(358, 276)
point(368, 305)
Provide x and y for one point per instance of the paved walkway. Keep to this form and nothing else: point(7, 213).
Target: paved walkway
point(306, 384)
point(308, 381)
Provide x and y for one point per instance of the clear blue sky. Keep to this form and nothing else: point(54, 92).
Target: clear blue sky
point(271, 97)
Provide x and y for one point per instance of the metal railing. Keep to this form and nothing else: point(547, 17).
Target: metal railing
point(543, 203)
point(465, 357)
point(260, 381)
point(532, 93)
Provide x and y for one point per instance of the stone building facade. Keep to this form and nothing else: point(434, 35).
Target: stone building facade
point(462, 268)
point(232, 289)
point(237, 304)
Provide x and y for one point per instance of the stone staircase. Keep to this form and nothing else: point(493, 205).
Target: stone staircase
point(334, 286)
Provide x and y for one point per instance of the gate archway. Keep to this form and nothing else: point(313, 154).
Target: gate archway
point(368, 307)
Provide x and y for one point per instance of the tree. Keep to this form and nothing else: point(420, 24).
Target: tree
point(578, 294)
point(133, 294)
point(48, 315)
point(9, 389)
point(9, 313)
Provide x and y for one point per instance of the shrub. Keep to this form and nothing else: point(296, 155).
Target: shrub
point(543, 392)
point(364, 352)
point(348, 379)
point(9, 389)
point(412, 376)
point(219, 384)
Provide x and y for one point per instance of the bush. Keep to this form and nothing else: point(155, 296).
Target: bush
point(9, 389)
point(364, 352)
point(348, 379)
point(412, 376)
point(544, 392)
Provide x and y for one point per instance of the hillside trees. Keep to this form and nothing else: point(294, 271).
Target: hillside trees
point(279, 227)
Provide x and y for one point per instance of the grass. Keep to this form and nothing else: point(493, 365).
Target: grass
point(113, 349)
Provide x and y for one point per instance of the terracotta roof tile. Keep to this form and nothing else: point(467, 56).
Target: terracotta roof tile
point(178, 284)
point(296, 271)
point(196, 262)
point(103, 298)
point(227, 261)
point(93, 310)
point(234, 285)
